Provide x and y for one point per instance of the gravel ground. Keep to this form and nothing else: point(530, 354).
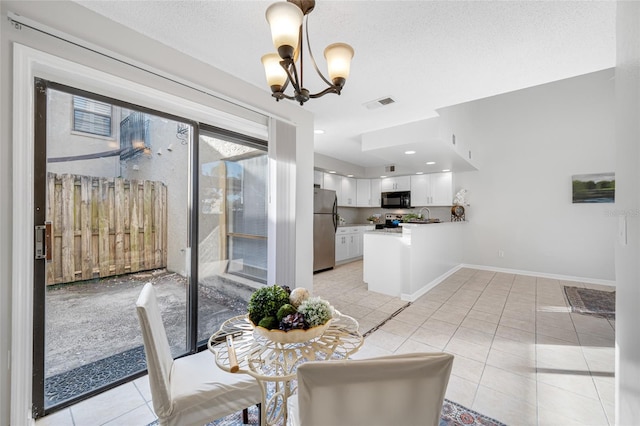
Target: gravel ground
point(96, 319)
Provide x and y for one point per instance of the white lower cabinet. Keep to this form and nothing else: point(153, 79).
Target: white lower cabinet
point(342, 247)
point(349, 242)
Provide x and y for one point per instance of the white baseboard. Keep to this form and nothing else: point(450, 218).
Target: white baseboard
point(414, 296)
point(611, 283)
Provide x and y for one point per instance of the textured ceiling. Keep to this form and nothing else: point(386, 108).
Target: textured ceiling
point(424, 54)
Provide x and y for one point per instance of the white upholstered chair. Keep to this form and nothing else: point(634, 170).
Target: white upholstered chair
point(190, 390)
point(405, 390)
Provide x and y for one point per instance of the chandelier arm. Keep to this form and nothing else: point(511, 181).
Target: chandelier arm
point(287, 65)
point(301, 54)
point(282, 95)
point(331, 89)
point(313, 60)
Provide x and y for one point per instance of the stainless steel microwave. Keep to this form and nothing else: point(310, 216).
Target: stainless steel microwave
point(396, 200)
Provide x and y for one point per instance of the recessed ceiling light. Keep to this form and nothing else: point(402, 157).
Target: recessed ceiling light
point(332, 171)
point(446, 170)
point(419, 173)
point(349, 175)
point(318, 132)
point(409, 152)
point(429, 163)
point(383, 177)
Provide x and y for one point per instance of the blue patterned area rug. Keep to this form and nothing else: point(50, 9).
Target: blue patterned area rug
point(453, 414)
point(597, 303)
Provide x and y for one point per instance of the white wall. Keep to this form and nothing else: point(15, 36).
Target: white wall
point(64, 142)
point(170, 167)
point(88, 27)
point(341, 167)
point(628, 207)
point(529, 143)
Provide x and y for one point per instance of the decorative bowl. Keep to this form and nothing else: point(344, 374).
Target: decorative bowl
point(291, 336)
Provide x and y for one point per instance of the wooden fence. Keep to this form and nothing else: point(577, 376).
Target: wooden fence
point(105, 226)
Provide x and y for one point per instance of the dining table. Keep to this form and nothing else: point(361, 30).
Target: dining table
point(239, 349)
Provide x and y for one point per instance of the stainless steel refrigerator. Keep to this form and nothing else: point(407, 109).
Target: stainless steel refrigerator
point(325, 223)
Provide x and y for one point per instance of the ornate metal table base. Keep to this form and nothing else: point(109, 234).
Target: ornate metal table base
point(274, 364)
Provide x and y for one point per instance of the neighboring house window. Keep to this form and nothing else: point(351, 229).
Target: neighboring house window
point(91, 116)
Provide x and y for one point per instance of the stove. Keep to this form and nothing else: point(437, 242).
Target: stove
point(391, 220)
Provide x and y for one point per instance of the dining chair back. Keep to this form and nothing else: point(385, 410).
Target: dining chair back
point(405, 389)
point(190, 390)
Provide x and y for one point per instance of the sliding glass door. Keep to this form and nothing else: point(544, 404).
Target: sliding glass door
point(113, 202)
point(232, 225)
point(125, 195)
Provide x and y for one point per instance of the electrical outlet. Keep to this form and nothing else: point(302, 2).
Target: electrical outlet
point(500, 253)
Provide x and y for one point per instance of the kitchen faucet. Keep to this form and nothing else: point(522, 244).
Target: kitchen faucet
point(428, 212)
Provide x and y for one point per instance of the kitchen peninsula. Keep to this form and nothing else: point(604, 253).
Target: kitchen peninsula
point(409, 263)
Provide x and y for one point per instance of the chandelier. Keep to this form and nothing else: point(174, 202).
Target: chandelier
point(285, 20)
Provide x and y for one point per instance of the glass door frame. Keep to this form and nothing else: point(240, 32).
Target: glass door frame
point(39, 217)
point(229, 136)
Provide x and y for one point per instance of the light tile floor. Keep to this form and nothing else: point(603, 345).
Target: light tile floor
point(520, 356)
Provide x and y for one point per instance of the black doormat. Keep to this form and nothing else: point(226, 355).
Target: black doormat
point(89, 377)
point(598, 303)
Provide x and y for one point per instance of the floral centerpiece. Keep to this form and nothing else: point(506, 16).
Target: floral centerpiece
point(286, 316)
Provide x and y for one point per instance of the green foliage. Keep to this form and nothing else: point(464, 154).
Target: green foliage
point(285, 310)
point(265, 302)
point(269, 323)
point(315, 311)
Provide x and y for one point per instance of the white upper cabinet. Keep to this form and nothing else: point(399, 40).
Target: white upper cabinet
point(376, 200)
point(421, 190)
point(333, 182)
point(368, 193)
point(363, 192)
point(442, 189)
point(318, 178)
point(435, 189)
point(348, 192)
point(345, 188)
point(399, 183)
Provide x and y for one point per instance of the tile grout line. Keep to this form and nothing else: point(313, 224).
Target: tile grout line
point(494, 334)
point(376, 327)
point(595, 385)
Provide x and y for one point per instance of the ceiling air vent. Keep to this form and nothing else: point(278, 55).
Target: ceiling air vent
point(379, 103)
point(390, 168)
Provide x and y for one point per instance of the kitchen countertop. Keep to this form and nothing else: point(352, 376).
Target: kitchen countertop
point(346, 225)
point(397, 232)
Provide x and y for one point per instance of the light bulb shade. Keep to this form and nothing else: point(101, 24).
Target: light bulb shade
point(285, 20)
point(276, 75)
point(338, 56)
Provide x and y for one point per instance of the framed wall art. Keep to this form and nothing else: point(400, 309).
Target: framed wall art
point(594, 188)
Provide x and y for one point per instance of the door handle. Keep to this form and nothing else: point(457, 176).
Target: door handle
point(43, 242)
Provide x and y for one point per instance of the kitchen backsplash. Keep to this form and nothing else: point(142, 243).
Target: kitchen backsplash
point(359, 215)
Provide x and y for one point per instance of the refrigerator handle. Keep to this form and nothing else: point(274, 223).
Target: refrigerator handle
point(335, 214)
